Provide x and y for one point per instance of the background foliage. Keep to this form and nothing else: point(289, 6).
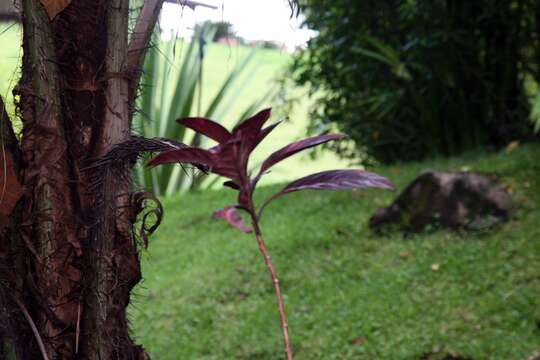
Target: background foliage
point(408, 79)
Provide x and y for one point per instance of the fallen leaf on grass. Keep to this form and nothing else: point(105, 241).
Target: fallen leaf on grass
point(358, 341)
point(467, 316)
point(512, 145)
point(405, 254)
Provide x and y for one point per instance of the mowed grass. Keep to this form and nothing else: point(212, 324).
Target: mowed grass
point(350, 294)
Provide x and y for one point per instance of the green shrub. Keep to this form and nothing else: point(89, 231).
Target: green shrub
point(409, 79)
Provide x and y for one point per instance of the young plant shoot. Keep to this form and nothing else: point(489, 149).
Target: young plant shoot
point(230, 159)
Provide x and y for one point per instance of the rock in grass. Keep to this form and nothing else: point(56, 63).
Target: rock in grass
point(449, 199)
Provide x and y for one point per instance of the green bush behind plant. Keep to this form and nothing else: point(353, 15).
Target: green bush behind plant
point(408, 79)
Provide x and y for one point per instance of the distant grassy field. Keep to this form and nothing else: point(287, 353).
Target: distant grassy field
point(350, 294)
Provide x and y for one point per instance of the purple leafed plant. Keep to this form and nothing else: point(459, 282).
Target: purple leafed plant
point(230, 159)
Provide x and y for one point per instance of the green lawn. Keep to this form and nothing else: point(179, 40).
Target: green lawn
point(350, 294)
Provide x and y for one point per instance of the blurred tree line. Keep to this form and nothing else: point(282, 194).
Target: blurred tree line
point(407, 79)
point(225, 32)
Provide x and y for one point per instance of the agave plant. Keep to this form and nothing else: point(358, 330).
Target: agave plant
point(230, 159)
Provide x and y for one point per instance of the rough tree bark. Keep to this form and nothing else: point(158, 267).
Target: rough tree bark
point(68, 259)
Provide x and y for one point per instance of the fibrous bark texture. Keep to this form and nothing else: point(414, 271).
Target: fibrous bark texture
point(68, 257)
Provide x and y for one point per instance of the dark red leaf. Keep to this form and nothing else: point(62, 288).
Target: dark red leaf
point(226, 159)
point(226, 171)
point(295, 147)
point(185, 155)
point(253, 125)
point(339, 180)
point(335, 180)
point(231, 216)
point(249, 132)
point(262, 135)
point(207, 127)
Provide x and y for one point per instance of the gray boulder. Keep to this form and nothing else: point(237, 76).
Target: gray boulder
point(449, 199)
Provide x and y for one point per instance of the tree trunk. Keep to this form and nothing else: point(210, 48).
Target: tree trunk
point(68, 259)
